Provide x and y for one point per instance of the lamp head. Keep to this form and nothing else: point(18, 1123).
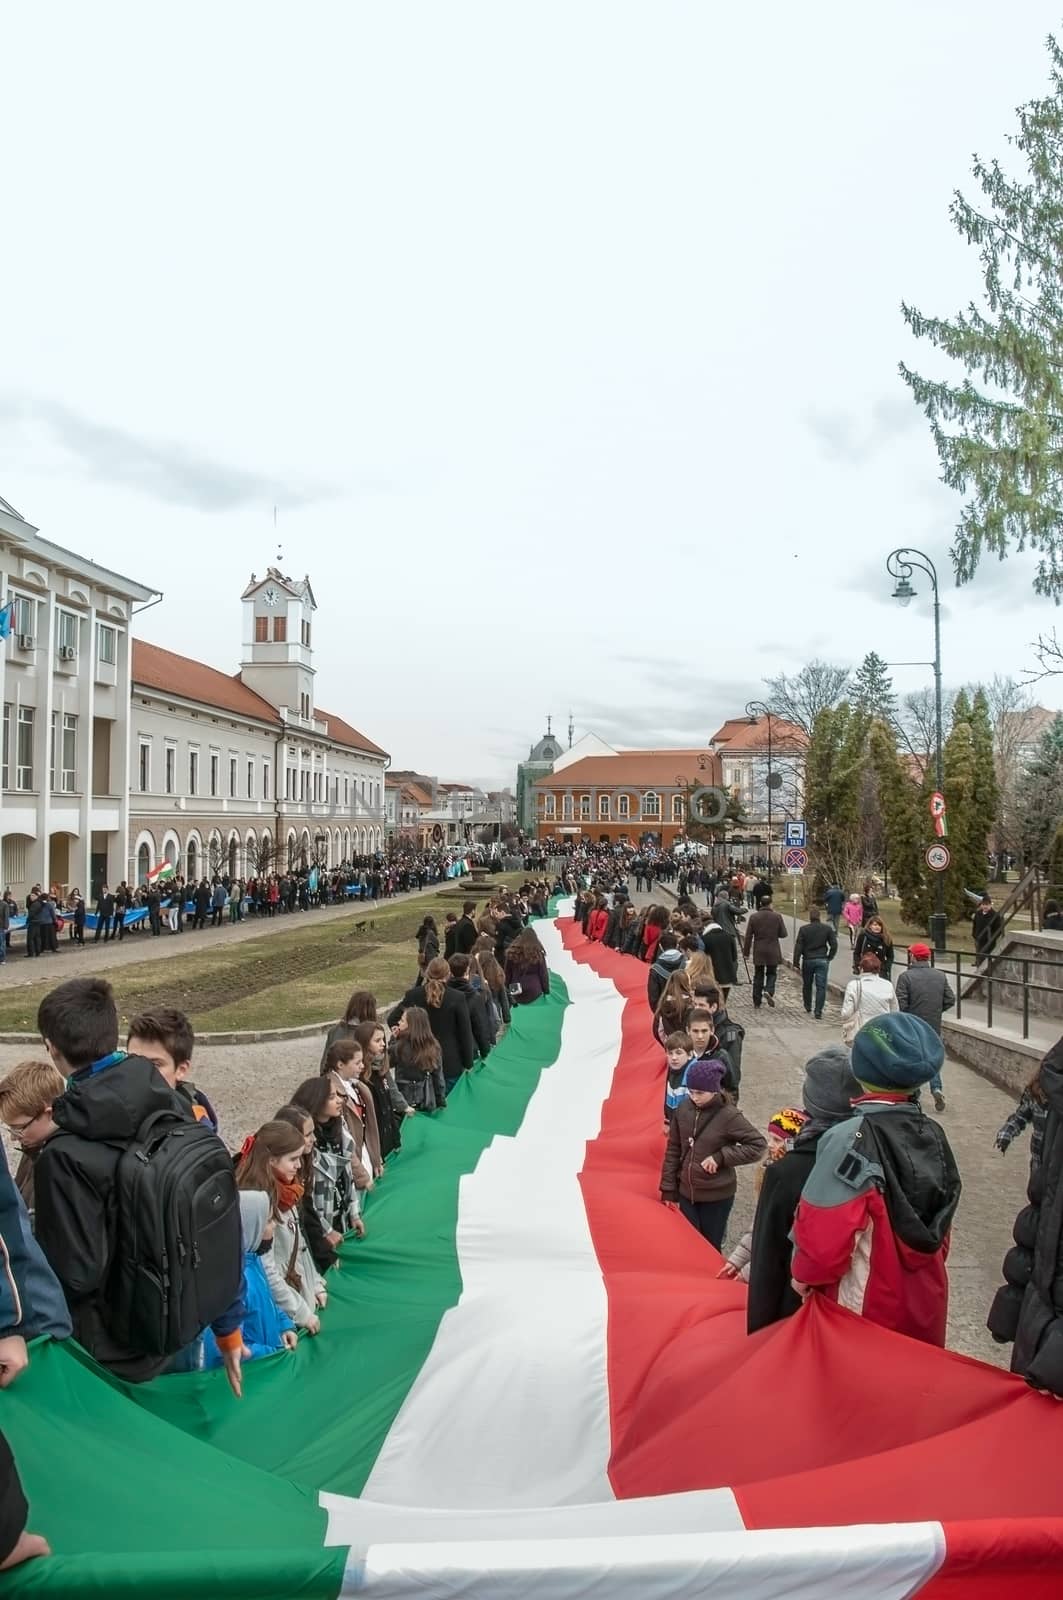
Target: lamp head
point(904, 591)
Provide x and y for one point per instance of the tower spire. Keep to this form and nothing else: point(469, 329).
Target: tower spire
point(571, 729)
point(549, 726)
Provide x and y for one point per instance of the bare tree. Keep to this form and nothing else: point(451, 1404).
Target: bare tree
point(916, 726)
point(1014, 730)
point(263, 858)
point(801, 697)
point(1048, 648)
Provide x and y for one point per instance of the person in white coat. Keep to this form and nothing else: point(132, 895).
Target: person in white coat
point(867, 995)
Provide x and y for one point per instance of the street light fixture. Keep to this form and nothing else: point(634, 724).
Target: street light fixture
point(900, 564)
point(755, 709)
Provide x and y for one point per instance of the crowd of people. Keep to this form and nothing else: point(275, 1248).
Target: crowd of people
point(123, 1161)
point(857, 1188)
point(173, 903)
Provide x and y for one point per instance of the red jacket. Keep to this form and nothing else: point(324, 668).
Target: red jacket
point(873, 1223)
point(597, 923)
point(650, 934)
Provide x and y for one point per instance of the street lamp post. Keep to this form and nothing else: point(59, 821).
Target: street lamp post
point(900, 564)
point(755, 709)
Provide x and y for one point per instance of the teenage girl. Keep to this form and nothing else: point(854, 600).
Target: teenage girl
point(334, 1197)
point(345, 1062)
point(388, 1102)
point(417, 1061)
point(271, 1161)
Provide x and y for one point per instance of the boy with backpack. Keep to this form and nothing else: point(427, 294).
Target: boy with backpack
point(136, 1202)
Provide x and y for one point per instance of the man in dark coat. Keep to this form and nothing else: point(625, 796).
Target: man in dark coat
point(721, 947)
point(828, 1092)
point(1028, 1310)
point(986, 925)
point(482, 1036)
point(465, 932)
point(104, 914)
point(764, 934)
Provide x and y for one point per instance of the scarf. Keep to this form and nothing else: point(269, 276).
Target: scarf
point(288, 1196)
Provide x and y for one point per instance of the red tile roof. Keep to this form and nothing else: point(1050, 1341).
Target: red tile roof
point(739, 735)
point(341, 732)
point(186, 679)
point(168, 673)
point(637, 769)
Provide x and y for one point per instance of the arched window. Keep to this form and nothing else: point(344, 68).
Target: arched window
point(192, 859)
point(234, 855)
point(678, 808)
point(623, 805)
point(651, 804)
point(585, 808)
point(143, 863)
point(603, 808)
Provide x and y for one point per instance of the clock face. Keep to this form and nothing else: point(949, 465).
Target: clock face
point(271, 596)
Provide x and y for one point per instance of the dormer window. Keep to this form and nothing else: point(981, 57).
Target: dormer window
point(261, 630)
point(280, 630)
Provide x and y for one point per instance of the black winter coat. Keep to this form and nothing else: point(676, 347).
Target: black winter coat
point(482, 1036)
point(770, 1296)
point(722, 949)
point(449, 1022)
point(1029, 1308)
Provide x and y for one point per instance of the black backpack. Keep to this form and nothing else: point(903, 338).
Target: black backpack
point(178, 1260)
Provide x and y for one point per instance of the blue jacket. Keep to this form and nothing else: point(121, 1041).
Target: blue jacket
point(263, 1320)
point(31, 1300)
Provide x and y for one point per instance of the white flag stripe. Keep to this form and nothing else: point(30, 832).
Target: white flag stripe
point(883, 1562)
point(365, 1522)
point(512, 1407)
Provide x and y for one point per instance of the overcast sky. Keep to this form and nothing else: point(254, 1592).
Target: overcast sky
point(564, 337)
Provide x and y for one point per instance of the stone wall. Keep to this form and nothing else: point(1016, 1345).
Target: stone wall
point(1031, 954)
point(1004, 1060)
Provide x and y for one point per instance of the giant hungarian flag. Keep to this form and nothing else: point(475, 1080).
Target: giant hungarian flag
point(530, 1383)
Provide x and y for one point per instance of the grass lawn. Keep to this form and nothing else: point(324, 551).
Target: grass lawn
point(284, 979)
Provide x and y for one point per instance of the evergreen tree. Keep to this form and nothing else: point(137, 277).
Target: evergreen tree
point(872, 689)
point(967, 869)
point(986, 789)
point(906, 824)
point(1055, 864)
point(834, 767)
point(999, 433)
point(1042, 808)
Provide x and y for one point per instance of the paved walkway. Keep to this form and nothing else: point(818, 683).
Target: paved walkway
point(77, 961)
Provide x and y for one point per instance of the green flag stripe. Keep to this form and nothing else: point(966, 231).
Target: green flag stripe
point(319, 1417)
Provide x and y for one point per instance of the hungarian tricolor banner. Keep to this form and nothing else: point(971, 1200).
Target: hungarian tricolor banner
point(530, 1383)
point(161, 873)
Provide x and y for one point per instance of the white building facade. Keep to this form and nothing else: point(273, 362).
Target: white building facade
point(246, 774)
point(65, 688)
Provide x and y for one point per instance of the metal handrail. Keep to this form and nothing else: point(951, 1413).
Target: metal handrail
point(981, 968)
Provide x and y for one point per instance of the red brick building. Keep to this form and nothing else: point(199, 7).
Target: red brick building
point(632, 796)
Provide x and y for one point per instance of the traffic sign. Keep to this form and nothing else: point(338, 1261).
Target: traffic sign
point(938, 857)
point(795, 860)
point(797, 834)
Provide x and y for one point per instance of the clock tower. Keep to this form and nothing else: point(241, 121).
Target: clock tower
point(278, 654)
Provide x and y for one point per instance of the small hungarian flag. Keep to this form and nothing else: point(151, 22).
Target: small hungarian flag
point(160, 873)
